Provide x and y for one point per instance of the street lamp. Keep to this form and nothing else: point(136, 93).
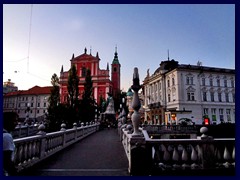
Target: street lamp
point(27, 120)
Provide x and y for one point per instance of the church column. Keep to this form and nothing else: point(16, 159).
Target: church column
point(96, 69)
point(96, 93)
point(107, 91)
point(92, 69)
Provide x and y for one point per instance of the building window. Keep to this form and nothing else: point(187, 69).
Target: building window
point(31, 104)
point(168, 83)
point(225, 83)
point(190, 96)
point(218, 82)
point(203, 81)
point(232, 83)
point(173, 81)
point(38, 111)
point(169, 97)
point(38, 104)
point(221, 115)
point(205, 111)
point(189, 80)
point(211, 82)
point(114, 69)
point(214, 118)
point(32, 98)
point(84, 72)
point(228, 112)
point(212, 96)
point(220, 97)
point(44, 105)
point(227, 97)
point(204, 96)
point(233, 97)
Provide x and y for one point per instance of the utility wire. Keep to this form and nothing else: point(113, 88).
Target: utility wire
point(16, 60)
point(29, 39)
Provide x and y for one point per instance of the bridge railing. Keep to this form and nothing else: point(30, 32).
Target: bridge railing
point(161, 156)
point(33, 149)
point(24, 131)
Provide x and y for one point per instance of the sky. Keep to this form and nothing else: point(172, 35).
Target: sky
point(39, 38)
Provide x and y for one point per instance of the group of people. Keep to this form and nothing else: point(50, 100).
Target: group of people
point(10, 120)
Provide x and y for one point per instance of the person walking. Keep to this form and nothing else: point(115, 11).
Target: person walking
point(9, 124)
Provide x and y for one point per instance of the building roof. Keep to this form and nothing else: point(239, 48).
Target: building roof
point(129, 93)
point(36, 90)
point(86, 57)
point(172, 64)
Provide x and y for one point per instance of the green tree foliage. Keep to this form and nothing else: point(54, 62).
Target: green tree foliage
point(87, 106)
point(103, 104)
point(73, 93)
point(72, 87)
point(53, 123)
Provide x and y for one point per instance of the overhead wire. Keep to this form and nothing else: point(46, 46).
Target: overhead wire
point(29, 38)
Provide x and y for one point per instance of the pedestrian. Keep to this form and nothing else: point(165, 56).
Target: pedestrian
point(9, 124)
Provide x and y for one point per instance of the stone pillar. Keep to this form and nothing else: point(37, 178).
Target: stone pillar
point(136, 104)
point(140, 156)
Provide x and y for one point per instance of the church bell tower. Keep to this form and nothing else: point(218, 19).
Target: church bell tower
point(115, 74)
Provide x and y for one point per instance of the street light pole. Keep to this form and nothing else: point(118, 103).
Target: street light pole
point(27, 121)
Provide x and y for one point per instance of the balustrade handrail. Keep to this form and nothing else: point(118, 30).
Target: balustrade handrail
point(33, 149)
point(200, 153)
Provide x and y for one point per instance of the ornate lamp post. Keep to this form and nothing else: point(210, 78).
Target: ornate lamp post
point(27, 120)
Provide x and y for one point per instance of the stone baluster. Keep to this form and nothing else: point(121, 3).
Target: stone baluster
point(136, 104)
point(166, 154)
point(233, 156)
point(175, 158)
point(194, 158)
point(226, 157)
point(185, 158)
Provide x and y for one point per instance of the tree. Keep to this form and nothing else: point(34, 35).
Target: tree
point(87, 107)
point(73, 93)
point(102, 104)
point(72, 87)
point(53, 123)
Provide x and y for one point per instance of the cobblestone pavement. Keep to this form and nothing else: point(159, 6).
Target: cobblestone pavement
point(100, 154)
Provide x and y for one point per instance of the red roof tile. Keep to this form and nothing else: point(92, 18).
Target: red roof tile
point(32, 91)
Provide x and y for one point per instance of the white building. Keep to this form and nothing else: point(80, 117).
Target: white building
point(177, 91)
point(9, 86)
point(35, 99)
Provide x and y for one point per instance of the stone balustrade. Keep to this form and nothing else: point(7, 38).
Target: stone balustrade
point(24, 131)
point(33, 149)
point(166, 156)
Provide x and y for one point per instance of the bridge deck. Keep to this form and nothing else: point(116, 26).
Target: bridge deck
point(100, 154)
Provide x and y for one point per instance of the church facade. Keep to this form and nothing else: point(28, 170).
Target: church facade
point(102, 84)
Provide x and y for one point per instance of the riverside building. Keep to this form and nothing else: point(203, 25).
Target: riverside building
point(175, 91)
